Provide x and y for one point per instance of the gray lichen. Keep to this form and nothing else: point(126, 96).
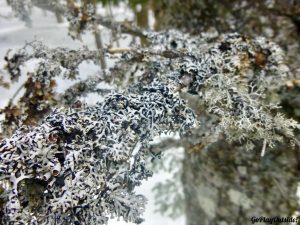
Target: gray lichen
point(83, 163)
point(87, 161)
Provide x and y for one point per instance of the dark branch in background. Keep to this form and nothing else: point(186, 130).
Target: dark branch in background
point(100, 46)
point(15, 94)
point(82, 88)
point(81, 17)
point(140, 53)
point(165, 144)
point(123, 27)
point(51, 6)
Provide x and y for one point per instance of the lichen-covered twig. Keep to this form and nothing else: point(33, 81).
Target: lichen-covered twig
point(80, 17)
point(233, 77)
point(87, 161)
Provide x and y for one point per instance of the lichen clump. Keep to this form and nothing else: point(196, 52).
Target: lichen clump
point(84, 162)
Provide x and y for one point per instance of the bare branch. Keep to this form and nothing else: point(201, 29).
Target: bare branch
point(166, 144)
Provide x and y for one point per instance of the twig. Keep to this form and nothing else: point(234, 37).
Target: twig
point(113, 32)
point(166, 144)
point(16, 93)
point(170, 54)
point(124, 27)
point(118, 50)
point(263, 150)
point(81, 88)
point(99, 44)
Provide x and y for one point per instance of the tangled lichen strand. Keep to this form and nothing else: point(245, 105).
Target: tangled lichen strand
point(88, 161)
point(236, 78)
point(40, 94)
point(81, 18)
point(54, 59)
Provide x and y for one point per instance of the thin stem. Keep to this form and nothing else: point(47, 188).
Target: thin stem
point(16, 93)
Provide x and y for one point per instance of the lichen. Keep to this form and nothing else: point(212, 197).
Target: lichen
point(84, 162)
point(88, 160)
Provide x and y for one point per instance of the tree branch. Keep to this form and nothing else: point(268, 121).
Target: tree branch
point(123, 27)
point(166, 144)
point(82, 160)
